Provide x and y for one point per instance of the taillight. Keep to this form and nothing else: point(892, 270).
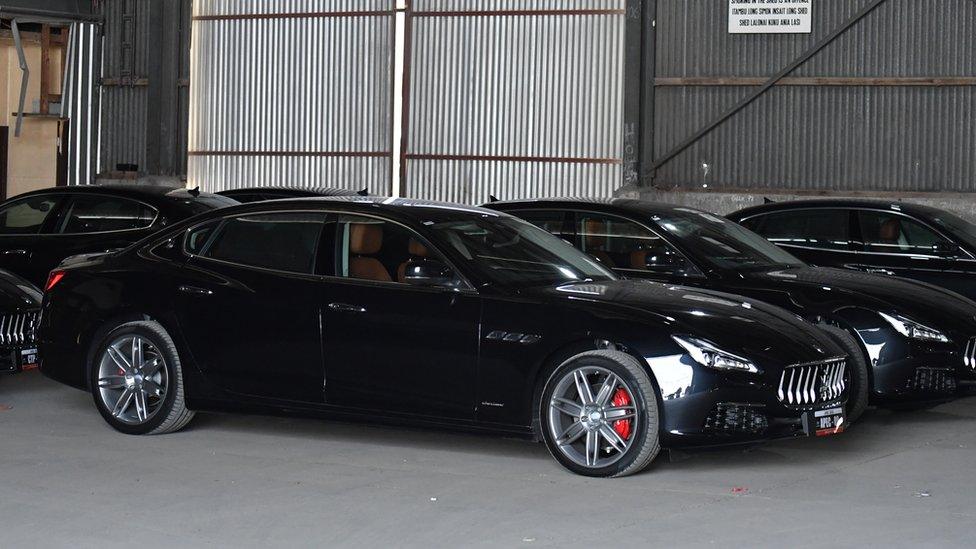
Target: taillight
point(53, 279)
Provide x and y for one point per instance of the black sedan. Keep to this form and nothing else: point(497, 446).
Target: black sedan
point(890, 238)
point(20, 305)
point(257, 194)
point(426, 313)
point(919, 340)
point(41, 228)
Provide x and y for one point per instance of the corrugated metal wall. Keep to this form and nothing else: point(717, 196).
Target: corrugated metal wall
point(884, 136)
point(80, 101)
point(291, 92)
point(515, 98)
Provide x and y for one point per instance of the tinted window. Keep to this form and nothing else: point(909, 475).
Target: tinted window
point(818, 228)
point(282, 241)
point(26, 216)
point(197, 239)
point(95, 214)
point(622, 244)
point(373, 249)
point(893, 233)
point(549, 221)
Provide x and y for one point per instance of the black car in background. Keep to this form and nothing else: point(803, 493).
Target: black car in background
point(913, 341)
point(890, 238)
point(41, 228)
point(428, 313)
point(20, 304)
point(258, 194)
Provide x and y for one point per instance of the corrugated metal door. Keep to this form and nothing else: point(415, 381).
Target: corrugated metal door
point(291, 92)
point(515, 98)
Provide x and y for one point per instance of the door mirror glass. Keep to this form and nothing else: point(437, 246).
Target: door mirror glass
point(428, 272)
point(661, 260)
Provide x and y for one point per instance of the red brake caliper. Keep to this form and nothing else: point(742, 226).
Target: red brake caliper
point(621, 426)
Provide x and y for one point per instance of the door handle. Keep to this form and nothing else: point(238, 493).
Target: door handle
point(15, 252)
point(879, 270)
point(347, 308)
point(196, 291)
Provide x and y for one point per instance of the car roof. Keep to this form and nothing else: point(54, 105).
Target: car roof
point(859, 203)
point(403, 205)
point(323, 191)
point(133, 190)
point(632, 205)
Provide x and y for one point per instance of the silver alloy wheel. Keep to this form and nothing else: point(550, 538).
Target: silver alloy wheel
point(582, 416)
point(132, 379)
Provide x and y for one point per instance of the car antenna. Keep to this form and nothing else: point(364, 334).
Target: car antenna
point(363, 192)
point(767, 200)
point(195, 191)
point(492, 198)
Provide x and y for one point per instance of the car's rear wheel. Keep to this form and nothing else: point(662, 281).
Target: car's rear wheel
point(599, 415)
point(137, 380)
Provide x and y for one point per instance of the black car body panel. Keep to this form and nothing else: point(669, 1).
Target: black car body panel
point(892, 238)
point(20, 304)
point(258, 194)
point(902, 368)
point(469, 355)
point(62, 229)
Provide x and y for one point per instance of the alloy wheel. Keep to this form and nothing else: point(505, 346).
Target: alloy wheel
point(132, 379)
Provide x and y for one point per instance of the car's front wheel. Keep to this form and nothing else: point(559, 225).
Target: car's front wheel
point(137, 380)
point(599, 415)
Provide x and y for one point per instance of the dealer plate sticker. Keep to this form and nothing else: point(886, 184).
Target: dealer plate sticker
point(28, 359)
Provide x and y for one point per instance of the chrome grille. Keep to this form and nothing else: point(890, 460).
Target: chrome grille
point(18, 329)
point(812, 383)
point(969, 355)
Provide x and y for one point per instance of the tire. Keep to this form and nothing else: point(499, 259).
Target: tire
point(857, 400)
point(159, 379)
point(602, 422)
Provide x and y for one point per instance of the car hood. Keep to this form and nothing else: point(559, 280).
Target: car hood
point(747, 327)
point(925, 303)
point(17, 294)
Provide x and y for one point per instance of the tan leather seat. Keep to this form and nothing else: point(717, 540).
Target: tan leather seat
point(416, 251)
point(595, 239)
point(638, 259)
point(890, 231)
point(366, 239)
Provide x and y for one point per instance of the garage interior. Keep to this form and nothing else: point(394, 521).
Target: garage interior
point(466, 101)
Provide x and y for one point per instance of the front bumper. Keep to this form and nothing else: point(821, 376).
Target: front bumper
point(18, 346)
point(915, 371)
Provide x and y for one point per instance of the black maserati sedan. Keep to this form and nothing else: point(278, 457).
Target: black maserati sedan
point(20, 305)
point(889, 238)
point(427, 313)
point(909, 342)
point(39, 229)
point(257, 194)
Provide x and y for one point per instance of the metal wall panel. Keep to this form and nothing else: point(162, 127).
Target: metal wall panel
point(291, 92)
point(883, 136)
point(80, 101)
point(514, 104)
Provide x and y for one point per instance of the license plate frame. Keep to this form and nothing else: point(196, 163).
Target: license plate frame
point(27, 359)
point(825, 422)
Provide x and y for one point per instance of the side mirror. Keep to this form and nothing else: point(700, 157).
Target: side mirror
point(662, 261)
point(428, 272)
point(946, 249)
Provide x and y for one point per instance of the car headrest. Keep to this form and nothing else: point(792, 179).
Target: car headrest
point(416, 249)
point(890, 230)
point(596, 231)
point(365, 238)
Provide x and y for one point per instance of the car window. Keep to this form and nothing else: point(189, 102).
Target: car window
point(198, 237)
point(815, 228)
point(547, 220)
point(623, 244)
point(286, 241)
point(96, 214)
point(373, 249)
point(26, 216)
point(886, 232)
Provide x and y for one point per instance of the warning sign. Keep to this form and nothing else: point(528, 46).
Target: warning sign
point(769, 16)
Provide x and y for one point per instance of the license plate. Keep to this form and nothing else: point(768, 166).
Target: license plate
point(28, 359)
point(824, 423)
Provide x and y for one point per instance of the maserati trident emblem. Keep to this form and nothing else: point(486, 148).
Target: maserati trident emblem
point(824, 385)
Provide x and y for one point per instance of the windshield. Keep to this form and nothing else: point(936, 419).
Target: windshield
point(512, 252)
point(956, 225)
point(723, 244)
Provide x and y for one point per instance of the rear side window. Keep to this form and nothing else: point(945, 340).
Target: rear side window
point(892, 233)
point(819, 228)
point(99, 214)
point(622, 244)
point(26, 216)
point(285, 241)
point(547, 220)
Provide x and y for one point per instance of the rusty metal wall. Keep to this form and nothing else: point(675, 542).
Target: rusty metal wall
point(515, 98)
point(886, 135)
point(291, 92)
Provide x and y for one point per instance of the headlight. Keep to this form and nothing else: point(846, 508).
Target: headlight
point(709, 355)
point(914, 330)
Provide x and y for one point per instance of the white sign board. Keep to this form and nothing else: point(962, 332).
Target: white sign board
point(769, 16)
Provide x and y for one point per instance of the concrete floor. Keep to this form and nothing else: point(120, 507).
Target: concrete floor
point(66, 479)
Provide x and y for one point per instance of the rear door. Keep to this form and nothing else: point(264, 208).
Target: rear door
point(819, 236)
point(248, 304)
point(389, 345)
point(23, 223)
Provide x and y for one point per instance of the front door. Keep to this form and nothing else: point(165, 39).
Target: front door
point(390, 345)
point(22, 224)
point(248, 304)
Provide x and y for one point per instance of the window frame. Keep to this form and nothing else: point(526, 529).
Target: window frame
point(52, 215)
point(67, 200)
point(934, 230)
